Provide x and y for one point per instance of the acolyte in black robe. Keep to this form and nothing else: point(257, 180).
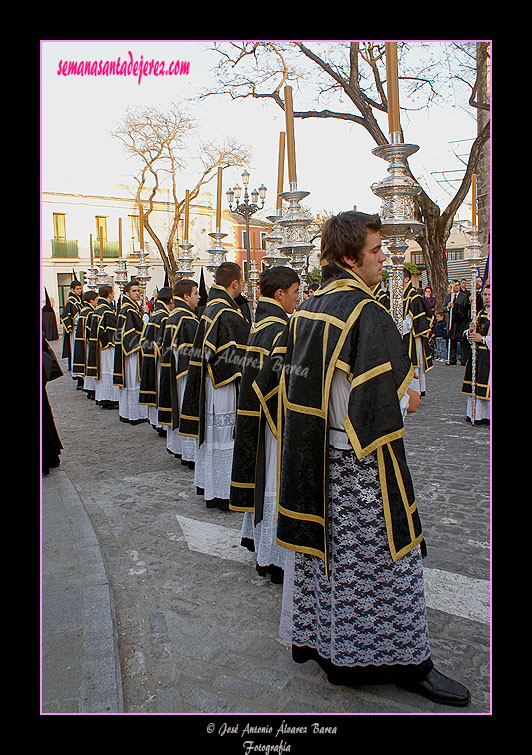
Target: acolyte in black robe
point(71, 310)
point(101, 335)
point(382, 295)
point(127, 339)
point(247, 477)
point(342, 326)
point(421, 327)
point(482, 371)
point(81, 340)
point(151, 342)
point(218, 353)
point(179, 333)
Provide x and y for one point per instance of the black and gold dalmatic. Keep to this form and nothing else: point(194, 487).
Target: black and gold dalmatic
point(218, 352)
point(482, 377)
point(127, 339)
point(179, 333)
point(341, 327)
point(421, 327)
point(81, 340)
point(101, 336)
point(151, 343)
point(71, 310)
point(247, 478)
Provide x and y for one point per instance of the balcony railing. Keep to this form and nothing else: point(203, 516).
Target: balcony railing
point(64, 248)
point(110, 249)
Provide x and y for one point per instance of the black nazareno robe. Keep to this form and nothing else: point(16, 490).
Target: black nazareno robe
point(247, 477)
point(150, 345)
point(421, 327)
point(71, 310)
point(101, 336)
point(179, 333)
point(482, 371)
point(219, 351)
point(342, 326)
point(129, 328)
point(81, 341)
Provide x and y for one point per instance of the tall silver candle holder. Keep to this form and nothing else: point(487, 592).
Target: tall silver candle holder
point(397, 191)
point(92, 277)
point(121, 275)
point(217, 251)
point(101, 277)
point(273, 241)
point(142, 271)
point(254, 279)
point(475, 259)
point(185, 260)
point(295, 225)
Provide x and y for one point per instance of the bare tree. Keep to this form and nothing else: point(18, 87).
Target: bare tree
point(157, 139)
point(356, 71)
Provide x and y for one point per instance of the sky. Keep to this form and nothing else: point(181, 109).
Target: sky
point(334, 159)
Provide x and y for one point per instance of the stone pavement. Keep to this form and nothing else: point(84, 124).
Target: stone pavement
point(142, 582)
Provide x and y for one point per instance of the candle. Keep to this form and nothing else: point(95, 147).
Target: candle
point(101, 243)
point(392, 84)
point(280, 170)
point(141, 226)
point(219, 201)
point(474, 198)
point(92, 252)
point(119, 237)
point(187, 200)
point(289, 114)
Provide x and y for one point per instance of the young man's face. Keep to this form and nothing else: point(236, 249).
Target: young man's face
point(134, 293)
point(371, 261)
point(192, 299)
point(288, 299)
point(77, 290)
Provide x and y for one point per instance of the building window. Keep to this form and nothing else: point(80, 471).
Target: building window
point(263, 240)
point(455, 254)
point(101, 222)
point(417, 258)
point(59, 226)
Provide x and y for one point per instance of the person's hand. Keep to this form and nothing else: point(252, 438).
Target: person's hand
point(475, 337)
point(415, 401)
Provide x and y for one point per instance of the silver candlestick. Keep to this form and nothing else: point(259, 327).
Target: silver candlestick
point(217, 251)
point(142, 268)
point(92, 277)
point(295, 229)
point(274, 240)
point(397, 190)
point(101, 276)
point(185, 260)
point(121, 275)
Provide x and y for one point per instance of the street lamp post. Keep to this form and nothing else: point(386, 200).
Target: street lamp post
point(246, 209)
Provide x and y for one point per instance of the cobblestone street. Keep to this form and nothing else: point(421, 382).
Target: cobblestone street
point(195, 627)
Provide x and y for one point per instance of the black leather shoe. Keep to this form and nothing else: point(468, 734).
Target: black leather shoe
point(439, 688)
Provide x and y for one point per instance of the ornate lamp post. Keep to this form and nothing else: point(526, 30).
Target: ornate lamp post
point(246, 209)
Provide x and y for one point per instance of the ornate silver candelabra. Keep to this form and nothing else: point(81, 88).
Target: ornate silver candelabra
point(92, 277)
point(217, 251)
point(121, 274)
point(274, 240)
point(142, 271)
point(185, 260)
point(397, 191)
point(295, 224)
